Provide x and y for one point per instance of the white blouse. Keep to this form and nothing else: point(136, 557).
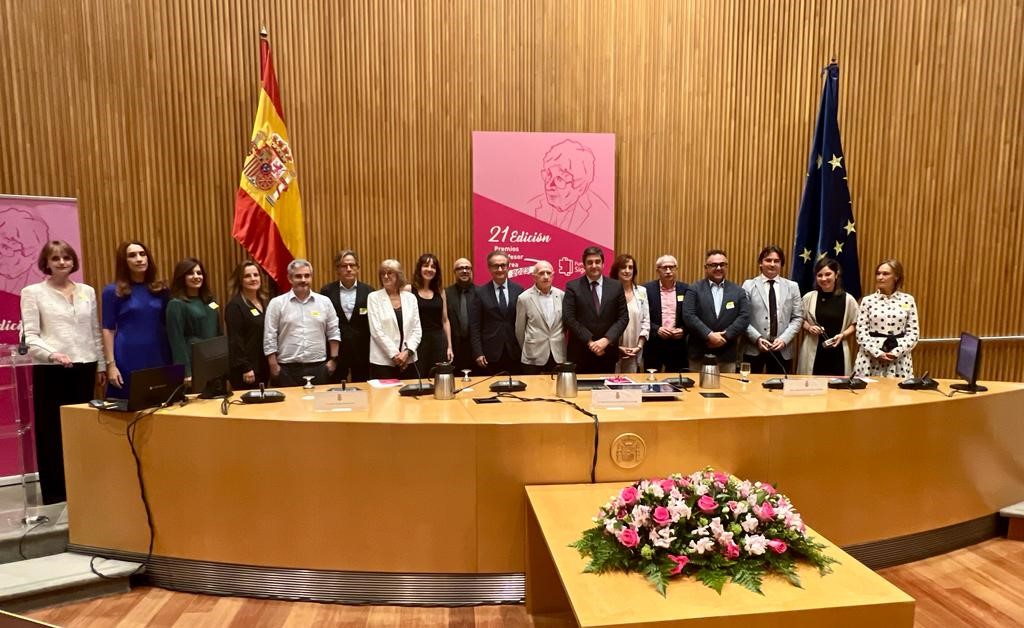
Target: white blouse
point(53, 324)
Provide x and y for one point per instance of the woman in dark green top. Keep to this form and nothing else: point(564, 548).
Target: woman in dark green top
point(192, 313)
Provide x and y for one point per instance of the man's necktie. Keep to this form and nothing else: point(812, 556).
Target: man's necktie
point(502, 302)
point(773, 311)
point(593, 295)
point(464, 313)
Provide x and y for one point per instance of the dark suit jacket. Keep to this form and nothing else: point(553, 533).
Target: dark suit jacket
point(355, 333)
point(700, 318)
point(452, 294)
point(584, 324)
point(490, 329)
point(653, 289)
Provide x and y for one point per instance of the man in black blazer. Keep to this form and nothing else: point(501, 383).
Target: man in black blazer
point(460, 296)
point(492, 320)
point(594, 312)
point(666, 348)
point(348, 295)
point(716, 313)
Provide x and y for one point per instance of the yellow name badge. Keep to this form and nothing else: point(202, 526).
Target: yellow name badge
point(362, 311)
point(680, 297)
point(255, 312)
point(213, 305)
point(905, 306)
point(729, 305)
point(315, 313)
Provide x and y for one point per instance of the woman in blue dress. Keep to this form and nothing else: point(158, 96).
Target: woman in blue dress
point(133, 318)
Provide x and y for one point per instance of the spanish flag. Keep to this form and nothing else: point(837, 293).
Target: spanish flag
point(268, 211)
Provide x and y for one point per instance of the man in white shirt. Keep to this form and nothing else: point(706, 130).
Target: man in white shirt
point(539, 322)
point(776, 314)
point(300, 334)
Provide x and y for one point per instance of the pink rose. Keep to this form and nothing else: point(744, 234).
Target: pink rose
point(721, 478)
point(668, 485)
point(707, 504)
point(680, 562)
point(628, 495)
point(732, 505)
point(777, 545)
point(766, 512)
point(661, 516)
point(768, 488)
point(628, 537)
point(732, 550)
point(685, 481)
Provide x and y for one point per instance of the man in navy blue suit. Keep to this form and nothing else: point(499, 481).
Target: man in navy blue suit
point(594, 311)
point(716, 313)
point(492, 320)
point(666, 348)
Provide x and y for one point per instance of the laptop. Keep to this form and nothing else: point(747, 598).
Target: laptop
point(150, 388)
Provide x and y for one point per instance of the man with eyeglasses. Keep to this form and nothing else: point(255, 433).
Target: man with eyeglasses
point(776, 315)
point(716, 313)
point(492, 320)
point(348, 296)
point(460, 296)
point(666, 348)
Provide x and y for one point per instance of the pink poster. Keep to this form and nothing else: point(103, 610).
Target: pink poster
point(26, 224)
point(542, 196)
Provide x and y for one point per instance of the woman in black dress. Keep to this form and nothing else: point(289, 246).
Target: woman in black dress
point(436, 345)
point(244, 317)
point(830, 316)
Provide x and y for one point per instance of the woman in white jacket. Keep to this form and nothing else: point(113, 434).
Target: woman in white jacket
point(394, 318)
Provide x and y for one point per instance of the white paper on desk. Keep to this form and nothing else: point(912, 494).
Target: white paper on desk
point(376, 383)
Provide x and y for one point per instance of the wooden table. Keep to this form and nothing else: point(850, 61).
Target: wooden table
point(852, 595)
point(426, 486)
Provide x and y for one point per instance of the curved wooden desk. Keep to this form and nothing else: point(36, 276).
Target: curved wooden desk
point(426, 486)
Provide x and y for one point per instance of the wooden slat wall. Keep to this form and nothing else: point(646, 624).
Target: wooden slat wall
point(143, 110)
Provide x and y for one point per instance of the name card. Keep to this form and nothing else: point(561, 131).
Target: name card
point(621, 398)
point(341, 400)
point(804, 387)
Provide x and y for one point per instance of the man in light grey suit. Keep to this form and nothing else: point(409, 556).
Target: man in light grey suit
point(539, 322)
point(776, 314)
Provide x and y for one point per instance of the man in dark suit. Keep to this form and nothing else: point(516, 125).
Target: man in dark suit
point(492, 320)
point(666, 348)
point(594, 311)
point(716, 313)
point(460, 296)
point(348, 295)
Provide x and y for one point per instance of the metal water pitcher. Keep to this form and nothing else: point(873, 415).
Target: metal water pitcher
point(565, 380)
point(444, 380)
point(709, 375)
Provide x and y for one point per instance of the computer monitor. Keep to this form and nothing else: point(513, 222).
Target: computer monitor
point(968, 363)
point(210, 367)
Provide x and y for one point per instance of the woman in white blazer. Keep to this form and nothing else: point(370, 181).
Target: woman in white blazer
point(830, 317)
point(394, 318)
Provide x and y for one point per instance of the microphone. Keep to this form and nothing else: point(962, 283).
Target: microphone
point(507, 386)
point(263, 393)
point(776, 383)
point(415, 390)
point(471, 384)
point(22, 345)
point(679, 381)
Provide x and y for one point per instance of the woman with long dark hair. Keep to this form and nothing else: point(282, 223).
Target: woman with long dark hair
point(830, 318)
point(134, 335)
point(432, 303)
point(634, 337)
point(62, 330)
point(244, 315)
point(192, 313)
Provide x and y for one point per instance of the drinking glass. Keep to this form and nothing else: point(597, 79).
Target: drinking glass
point(650, 375)
point(745, 371)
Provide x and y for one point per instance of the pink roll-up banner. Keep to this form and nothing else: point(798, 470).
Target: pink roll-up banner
point(26, 224)
point(542, 196)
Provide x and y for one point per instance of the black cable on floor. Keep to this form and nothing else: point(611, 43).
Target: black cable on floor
point(21, 541)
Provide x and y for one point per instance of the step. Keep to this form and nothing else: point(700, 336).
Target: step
point(21, 542)
point(61, 578)
point(1015, 529)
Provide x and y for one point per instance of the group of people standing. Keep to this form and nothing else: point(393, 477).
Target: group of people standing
point(348, 331)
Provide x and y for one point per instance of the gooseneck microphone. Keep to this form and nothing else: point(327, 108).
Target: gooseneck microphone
point(415, 390)
point(679, 381)
point(776, 383)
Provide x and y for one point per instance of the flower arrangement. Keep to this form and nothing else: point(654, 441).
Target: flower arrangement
point(708, 524)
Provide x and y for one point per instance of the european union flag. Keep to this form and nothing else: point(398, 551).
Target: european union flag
point(825, 225)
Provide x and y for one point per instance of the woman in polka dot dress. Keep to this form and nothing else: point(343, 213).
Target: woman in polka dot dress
point(887, 326)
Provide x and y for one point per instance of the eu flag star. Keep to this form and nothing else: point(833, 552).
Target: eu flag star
point(819, 161)
point(822, 255)
point(838, 248)
point(806, 256)
point(835, 162)
point(849, 227)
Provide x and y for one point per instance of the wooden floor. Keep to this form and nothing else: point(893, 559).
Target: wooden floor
point(982, 585)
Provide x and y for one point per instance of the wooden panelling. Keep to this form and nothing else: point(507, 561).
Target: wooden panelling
point(143, 111)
